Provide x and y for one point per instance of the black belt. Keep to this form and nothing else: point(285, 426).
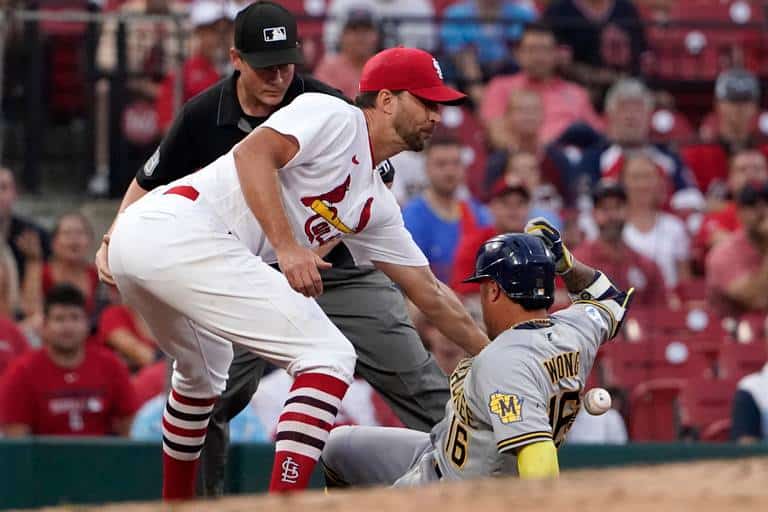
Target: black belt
point(437, 469)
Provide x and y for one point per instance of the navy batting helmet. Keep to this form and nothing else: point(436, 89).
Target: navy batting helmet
point(521, 265)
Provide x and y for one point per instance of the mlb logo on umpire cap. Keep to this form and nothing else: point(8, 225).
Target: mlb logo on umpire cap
point(273, 34)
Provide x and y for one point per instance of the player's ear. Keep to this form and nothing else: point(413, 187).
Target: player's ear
point(492, 291)
point(386, 101)
point(236, 59)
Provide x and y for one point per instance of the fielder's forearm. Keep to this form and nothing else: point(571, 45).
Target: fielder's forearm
point(579, 277)
point(257, 168)
point(446, 312)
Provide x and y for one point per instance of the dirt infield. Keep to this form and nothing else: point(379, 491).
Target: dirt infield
point(739, 485)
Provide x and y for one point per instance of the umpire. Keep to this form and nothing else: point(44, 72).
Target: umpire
point(362, 302)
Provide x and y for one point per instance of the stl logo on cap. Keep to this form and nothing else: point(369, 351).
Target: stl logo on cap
point(437, 68)
point(273, 34)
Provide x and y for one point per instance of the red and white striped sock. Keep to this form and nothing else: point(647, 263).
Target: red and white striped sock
point(185, 423)
point(303, 429)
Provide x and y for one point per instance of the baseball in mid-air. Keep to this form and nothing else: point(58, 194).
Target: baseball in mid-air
point(597, 401)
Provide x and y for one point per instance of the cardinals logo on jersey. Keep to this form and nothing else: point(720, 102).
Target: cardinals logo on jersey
point(319, 226)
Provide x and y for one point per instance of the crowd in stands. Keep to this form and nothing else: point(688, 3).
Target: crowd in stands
point(571, 117)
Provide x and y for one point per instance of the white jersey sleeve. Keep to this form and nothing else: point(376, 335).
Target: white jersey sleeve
point(387, 240)
point(317, 122)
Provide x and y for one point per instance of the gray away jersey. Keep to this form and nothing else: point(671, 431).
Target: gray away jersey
point(525, 387)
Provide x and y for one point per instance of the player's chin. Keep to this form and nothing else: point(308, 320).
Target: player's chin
point(418, 141)
point(272, 98)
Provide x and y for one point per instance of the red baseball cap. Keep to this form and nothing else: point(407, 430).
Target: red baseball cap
point(408, 69)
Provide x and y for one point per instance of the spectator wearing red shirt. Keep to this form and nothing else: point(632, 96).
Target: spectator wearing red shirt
point(564, 102)
point(510, 208)
point(359, 42)
point(608, 252)
point(125, 332)
point(151, 381)
point(211, 22)
point(66, 388)
point(746, 166)
point(70, 262)
point(13, 343)
point(737, 267)
point(737, 94)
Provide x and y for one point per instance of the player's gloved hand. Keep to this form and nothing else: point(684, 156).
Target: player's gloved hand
point(300, 266)
point(543, 229)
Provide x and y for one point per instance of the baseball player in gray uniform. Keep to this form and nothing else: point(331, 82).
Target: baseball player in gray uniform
point(511, 405)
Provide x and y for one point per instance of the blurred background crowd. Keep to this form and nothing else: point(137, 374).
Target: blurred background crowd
point(636, 127)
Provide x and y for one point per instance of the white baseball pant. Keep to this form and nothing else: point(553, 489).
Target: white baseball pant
point(200, 289)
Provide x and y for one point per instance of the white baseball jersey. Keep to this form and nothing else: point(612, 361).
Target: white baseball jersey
point(329, 189)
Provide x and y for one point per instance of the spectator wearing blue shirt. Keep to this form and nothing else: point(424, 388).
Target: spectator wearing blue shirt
point(439, 217)
point(147, 425)
point(479, 35)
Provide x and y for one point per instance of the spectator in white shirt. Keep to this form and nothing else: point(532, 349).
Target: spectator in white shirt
point(660, 236)
point(607, 428)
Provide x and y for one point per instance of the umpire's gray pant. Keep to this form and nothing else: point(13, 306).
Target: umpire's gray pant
point(371, 312)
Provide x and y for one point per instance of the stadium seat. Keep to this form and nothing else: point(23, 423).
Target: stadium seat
point(686, 322)
point(704, 401)
point(668, 126)
point(627, 365)
point(693, 292)
point(736, 360)
point(652, 408)
point(718, 431)
point(729, 33)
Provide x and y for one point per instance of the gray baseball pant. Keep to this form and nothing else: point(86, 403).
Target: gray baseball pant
point(363, 456)
point(370, 311)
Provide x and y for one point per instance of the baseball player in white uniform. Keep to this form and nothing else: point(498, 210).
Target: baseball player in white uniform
point(194, 257)
point(512, 405)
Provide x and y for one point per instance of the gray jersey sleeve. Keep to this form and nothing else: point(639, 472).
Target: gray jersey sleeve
point(598, 310)
point(513, 401)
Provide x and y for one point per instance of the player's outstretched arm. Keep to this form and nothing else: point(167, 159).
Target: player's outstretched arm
point(438, 303)
point(257, 159)
point(537, 461)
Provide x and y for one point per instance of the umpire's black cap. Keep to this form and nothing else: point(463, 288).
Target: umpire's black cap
point(266, 35)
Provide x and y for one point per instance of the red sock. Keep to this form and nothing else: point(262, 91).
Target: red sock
point(184, 425)
point(303, 428)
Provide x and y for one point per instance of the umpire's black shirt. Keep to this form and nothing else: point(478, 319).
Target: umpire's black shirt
point(208, 126)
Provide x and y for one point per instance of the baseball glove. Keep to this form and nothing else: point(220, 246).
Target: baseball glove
point(541, 228)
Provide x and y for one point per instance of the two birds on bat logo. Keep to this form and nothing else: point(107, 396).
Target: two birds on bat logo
point(319, 227)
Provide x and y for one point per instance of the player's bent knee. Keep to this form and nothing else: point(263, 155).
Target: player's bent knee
point(338, 358)
point(333, 456)
point(198, 382)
